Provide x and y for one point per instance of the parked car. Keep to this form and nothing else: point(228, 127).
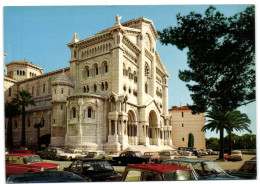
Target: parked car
point(93, 169)
point(203, 152)
point(186, 154)
point(203, 169)
point(236, 155)
point(22, 150)
point(131, 157)
point(96, 155)
point(157, 172)
point(22, 163)
point(51, 153)
point(168, 154)
point(192, 149)
point(247, 171)
point(112, 154)
point(45, 177)
point(211, 152)
point(71, 154)
point(153, 155)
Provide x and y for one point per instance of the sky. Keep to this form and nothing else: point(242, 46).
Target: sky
point(40, 35)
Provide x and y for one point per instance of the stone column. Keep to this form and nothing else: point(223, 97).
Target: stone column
point(109, 128)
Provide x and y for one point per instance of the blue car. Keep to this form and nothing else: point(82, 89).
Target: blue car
point(203, 169)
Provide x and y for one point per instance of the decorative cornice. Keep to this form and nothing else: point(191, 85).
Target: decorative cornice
point(131, 45)
point(148, 54)
point(92, 40)
point(85, 95)
point(44, 75)
point(24, 63)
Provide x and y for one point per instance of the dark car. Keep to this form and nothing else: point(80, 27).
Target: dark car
point(203, 169)
point(45, 177)
point(93, 169)
point(247, 171)
point(51, 153)
point(131, 157)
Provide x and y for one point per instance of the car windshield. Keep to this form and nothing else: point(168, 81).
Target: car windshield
point(236, 153)
point(178, 175)
point(148, 154)
point(248, 167)
point(137, 154)
point(207, 168)
point(91, 154)
point(32, 159)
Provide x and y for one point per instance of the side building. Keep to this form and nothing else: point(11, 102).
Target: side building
point(112, 96)
point(185, 124)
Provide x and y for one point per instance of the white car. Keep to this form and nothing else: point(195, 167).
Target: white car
point(70, 155)
point(236, 155)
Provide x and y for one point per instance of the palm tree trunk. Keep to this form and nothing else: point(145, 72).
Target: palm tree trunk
point(10, 133)
point(23, 126)
point(221, 143)
point(229, 142)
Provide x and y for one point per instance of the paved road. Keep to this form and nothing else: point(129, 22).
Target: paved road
point(223, 164)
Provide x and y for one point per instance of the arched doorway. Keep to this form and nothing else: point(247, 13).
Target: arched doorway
point(153, 124)
point(131, 128)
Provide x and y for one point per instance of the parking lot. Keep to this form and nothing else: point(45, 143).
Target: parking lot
point(223, 164)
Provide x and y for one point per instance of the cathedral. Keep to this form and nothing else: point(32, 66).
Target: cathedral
point(112, 96)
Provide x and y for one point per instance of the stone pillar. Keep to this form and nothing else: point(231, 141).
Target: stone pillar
point(109, 128)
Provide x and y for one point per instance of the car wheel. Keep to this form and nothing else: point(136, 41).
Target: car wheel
point(88, 179)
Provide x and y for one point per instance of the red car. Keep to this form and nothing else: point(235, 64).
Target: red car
point(22, 163)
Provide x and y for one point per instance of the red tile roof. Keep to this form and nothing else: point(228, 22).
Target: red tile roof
point(180, 108)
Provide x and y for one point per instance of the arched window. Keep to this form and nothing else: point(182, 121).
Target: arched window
point(23, 72)
point(84, 89)
point(89, 112)
point(17, 72)
point(54, 91)
point(87, 90)
point(146, 88)
point(42, 121)
point(87, 71)
point(54, 121)
point(182, 114)
point(61, 90)
point(146, 70)
point(102, 86)
point(61, 107)
point(106, 68)
point(95, 88)
point(96, 69)
point(106, 85)
point(73, 112)
point(43, 87)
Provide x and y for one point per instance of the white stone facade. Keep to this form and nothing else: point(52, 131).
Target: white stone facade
point(114, 93)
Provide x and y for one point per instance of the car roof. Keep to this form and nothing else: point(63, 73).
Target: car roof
point(187, 160)
point(159, 168)
point(21, 154)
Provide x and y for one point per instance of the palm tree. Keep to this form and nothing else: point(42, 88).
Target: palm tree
point(237, 121)
point(23, 99)
point(217, 122)
point(11, 110)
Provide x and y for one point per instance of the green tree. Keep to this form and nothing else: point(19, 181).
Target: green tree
point(191, 140)
point(221, 58)
point(217, 121)
point(212, 143)
point(11, 110)
point(236, 121)
point(23, 99)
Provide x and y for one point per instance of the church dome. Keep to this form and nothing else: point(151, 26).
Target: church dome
point(62, 80)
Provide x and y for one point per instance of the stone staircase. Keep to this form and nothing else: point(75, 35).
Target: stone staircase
point(143, 148)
